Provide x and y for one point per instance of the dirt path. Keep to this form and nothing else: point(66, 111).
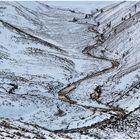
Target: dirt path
point(120, 113)
point(63, 94)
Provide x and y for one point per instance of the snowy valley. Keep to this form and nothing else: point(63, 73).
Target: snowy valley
point(66, 74)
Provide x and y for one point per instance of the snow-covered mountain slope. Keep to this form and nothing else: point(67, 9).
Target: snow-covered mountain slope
point(80, 6)
point(66, 74)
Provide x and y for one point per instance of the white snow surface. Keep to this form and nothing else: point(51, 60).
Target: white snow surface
point(51, 66)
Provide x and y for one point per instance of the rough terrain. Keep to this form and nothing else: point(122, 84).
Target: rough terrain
point(70, 75)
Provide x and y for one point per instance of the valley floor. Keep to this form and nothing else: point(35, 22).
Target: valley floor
point(67, 74)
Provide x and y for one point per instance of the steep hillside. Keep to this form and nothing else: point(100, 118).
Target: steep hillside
point(68, 74)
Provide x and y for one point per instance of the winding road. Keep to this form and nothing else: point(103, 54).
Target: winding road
point(120, 113)
point(63, 94)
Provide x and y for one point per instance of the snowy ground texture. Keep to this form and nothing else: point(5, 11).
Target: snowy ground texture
point(53, 59)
